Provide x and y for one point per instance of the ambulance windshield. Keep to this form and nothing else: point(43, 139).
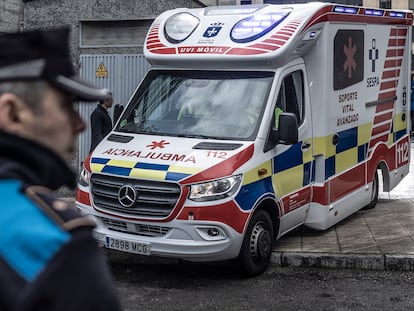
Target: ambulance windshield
point(205, 104)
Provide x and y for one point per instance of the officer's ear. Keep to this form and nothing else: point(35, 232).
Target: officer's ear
point(12, 113)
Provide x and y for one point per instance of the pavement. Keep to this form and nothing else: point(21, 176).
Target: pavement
point(381, 238)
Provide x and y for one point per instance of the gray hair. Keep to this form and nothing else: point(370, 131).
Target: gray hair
point(31, 92)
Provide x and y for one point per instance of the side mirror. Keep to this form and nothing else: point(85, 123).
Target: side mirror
point(288, 128)
point(286, 134)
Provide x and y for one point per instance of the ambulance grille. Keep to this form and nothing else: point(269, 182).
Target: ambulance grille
point(138, 229)
point(154, 199)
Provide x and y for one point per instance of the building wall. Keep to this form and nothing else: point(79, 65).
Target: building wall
point(51, 13)
point(10, 15)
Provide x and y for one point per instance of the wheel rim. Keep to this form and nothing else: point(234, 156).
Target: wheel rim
point(260, 242)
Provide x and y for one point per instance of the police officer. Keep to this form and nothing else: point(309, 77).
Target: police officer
point(49, 259)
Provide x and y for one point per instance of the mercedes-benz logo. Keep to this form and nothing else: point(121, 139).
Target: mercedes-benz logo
point(127, 195)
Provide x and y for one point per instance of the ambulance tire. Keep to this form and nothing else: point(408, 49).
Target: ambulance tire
point(256, 250)
point(374, 195)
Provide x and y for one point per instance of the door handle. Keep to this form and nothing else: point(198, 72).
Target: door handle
point(305, 145)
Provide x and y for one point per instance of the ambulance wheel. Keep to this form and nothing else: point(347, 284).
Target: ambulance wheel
point(374, 194)
point(254, 256)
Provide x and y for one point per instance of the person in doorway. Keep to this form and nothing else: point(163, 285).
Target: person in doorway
point(49, 259)
point(101, 123)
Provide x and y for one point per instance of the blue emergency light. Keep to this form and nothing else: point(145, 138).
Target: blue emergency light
point(256, 26)
point(345, 9)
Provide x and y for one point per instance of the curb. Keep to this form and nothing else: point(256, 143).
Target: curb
point(344, 261)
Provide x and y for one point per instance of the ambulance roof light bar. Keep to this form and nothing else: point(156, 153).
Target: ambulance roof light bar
point(231, 10)
point(397, 14)
point(180, 26)
point(256, 26)
point(374, 12)
point(345, 9)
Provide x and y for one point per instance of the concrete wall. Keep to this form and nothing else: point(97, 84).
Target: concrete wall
point(10, 15)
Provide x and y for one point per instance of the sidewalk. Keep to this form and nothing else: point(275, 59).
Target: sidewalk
point(381, 238)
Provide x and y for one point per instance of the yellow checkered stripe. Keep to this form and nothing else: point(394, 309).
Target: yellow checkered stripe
point(141, 170)
point(292, 169)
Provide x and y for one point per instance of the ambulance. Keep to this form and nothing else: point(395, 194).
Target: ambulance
point(252, 121)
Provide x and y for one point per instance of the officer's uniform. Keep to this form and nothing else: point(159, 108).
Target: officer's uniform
point(46, 246)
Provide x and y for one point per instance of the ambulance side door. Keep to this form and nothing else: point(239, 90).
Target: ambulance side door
point(292, 164)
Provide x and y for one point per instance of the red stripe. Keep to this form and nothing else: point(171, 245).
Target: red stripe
point(292, 26)
point(153, 36)
point(264, 46)
point(385, 106)
point(286, 33)
point(386, 95)
point(398, 32)
point(278, 36)
point(390, 74)
point(383, 117)
point(295, 200)
point(380, 129)
point(278, 42)
point(274, 41)
point(154, 40)
point(347, 182)
point(396, 42)
point(393, 63)
point(394, 52)
point(222, 169)
point(155, 46)
point(83, 197)
point(228, 213)
point(245, 51)
point(374, 141)
point(164, 51)
point(388, 85)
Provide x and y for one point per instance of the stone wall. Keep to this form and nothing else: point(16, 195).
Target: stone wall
point(11, 13)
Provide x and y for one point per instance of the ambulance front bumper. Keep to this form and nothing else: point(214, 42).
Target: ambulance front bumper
point(190, 240)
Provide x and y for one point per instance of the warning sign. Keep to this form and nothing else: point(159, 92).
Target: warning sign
point(101, 72)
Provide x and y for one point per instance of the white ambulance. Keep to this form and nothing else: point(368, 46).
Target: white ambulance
point(253, 120)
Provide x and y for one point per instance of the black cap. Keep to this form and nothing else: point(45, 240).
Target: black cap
point(44, 54)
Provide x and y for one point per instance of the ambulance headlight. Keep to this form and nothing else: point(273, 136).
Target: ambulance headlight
point(216, 189)
point(256, 26)
point(180, 26)
point(84, 177)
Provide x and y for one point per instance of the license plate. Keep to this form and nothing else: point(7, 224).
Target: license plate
point(128, 246)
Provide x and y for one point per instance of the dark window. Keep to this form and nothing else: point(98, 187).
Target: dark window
point(113, 33)
point(290, 97)
point(385, 4)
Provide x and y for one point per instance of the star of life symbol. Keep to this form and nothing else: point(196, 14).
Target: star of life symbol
point(350, 64)
point(373, 54)
point(213, 30)
point(160, 144)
